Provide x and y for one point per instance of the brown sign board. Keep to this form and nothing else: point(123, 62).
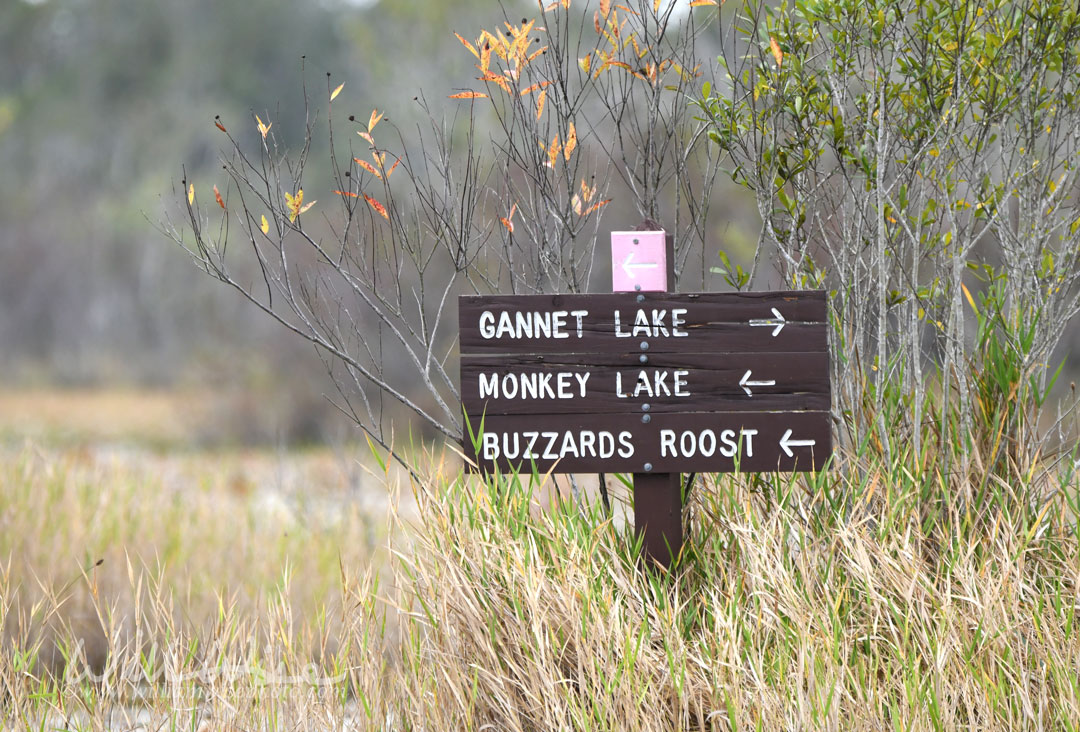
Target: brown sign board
point(646, 382)
point(668, 382)
point(789, 322)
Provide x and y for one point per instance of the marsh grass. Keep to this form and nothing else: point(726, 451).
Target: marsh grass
point(885, 594)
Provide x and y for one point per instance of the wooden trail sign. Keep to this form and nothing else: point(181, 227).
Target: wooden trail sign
point(646, 382)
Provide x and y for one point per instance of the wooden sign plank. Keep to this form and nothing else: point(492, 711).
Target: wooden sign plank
point(715, 442)
point(646, 383)
point(613, 383)
point(653, 322)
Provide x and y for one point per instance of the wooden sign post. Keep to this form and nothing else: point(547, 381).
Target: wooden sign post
point(644, 261)
point(649, 383)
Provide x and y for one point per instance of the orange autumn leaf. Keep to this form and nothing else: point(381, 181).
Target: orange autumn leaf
point(586, 192)
point(498, 79)
point(605, 7)
point(295, 204)
point(776, 52)
point(485, 58)
point(217, 123)
point(377, 206)
point(540, 103)
point(350, 194)
point(469, 95)
point(366, 136)
point(571, 142)
point(265, 225)
point(702, 3)
point(467, 45)
point(263, 128)
point(535, 53)
point(535, 87)
point(218, 198)
point(508, 222)
point(522, 39)
point(373, 120)
point(333, 94)
point(596, 206)
point(368, 167)
point(396, 163)
point(552, 152)
point(191, 194)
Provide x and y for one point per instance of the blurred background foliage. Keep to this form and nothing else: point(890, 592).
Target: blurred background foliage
point(106, 104)
point(103, 106)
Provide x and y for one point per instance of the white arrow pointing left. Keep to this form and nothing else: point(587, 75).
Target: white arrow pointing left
point(629, 265)
point(745, 383)
point(786, 443)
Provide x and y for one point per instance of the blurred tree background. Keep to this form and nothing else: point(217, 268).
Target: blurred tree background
point(104, 104)
point(101, 104)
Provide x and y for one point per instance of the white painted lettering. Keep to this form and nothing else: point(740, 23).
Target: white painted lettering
point(487, 324)
point(688, 443)
point(749, 435)
point(524, 325)
point(676, 322)
point(568, 446)
point(730, 446)
point(529, 454)
point(508, 452)
point(491, 445)
point(528, 385)
point(506, 326)
point(658, 323)
point(551, 437)
point(588, 444)
point(626, 449)
point(558, 324)
point(618, 327)
point(667, 443)
point(643, 384)
point(543, 324)
point(606, 443)
point(641, 325)
point(510, 388)
point(578, 315)
point(544, 387)
point(563, 379)
point(489, 386)
point(707, 443)
point(680, 383)
point(582, 378)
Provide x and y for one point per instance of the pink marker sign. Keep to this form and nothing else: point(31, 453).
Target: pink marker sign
point(639, 261)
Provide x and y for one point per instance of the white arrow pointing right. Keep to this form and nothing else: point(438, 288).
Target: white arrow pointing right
point(786, 443)
point(778, 321)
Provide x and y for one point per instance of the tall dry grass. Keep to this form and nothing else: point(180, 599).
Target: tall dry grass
point(882, 601)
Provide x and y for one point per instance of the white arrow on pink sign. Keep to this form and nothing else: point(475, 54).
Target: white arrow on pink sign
point(639, 261)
